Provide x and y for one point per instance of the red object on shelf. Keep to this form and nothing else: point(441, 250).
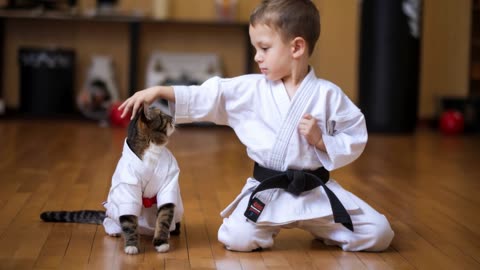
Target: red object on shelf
point(452, 122)
point(115, 116)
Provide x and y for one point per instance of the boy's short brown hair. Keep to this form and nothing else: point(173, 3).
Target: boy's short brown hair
point(291, 18)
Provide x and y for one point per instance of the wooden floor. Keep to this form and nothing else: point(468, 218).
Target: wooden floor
point(426, 184)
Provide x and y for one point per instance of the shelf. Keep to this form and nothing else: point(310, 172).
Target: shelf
point(113, 17)
point(132, 39)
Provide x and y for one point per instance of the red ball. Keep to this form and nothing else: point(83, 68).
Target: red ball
point(452, 122)
point(115, 116)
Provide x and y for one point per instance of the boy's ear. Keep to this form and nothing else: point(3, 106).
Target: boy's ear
point(299, 47)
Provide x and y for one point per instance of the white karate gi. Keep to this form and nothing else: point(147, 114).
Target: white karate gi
point(133, 180)
point(266, 122)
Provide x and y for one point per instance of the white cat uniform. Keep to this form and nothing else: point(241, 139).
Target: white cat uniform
point(133, 180)
point(266, 121)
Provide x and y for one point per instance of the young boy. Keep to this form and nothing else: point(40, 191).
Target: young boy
point(296, 128)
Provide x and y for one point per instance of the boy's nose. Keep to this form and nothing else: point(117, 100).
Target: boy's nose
point(258, 58)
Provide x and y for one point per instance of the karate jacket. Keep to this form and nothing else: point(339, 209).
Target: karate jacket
point(266, 120)
point(133, 180)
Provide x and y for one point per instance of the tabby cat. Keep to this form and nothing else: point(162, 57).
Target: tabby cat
point(147, 173)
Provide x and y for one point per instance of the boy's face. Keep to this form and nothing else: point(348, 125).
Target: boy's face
point(273, 55)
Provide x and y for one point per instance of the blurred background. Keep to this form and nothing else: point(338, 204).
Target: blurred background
point(362, 48)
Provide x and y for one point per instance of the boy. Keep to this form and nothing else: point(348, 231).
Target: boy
point(296, 129)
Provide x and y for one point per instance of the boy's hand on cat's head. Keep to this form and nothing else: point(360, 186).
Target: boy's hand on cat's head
point(125, 108)
point(146, 98)
point(135, 102)
point(131, 104)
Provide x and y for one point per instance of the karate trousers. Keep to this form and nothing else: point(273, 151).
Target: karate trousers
point(372, 231)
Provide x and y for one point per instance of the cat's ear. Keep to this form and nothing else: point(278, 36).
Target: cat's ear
point(163, 106)
point(143, 113)
point(148, 112)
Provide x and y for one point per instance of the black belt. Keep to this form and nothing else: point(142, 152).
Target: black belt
point(295, 182)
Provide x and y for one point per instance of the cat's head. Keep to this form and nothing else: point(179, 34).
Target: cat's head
point(151, 125)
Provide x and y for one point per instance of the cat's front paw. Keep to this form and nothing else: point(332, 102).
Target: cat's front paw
point(162, 248)
point(131, 250)
point(161, 245)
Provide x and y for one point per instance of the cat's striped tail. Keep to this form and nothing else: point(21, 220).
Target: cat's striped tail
point(82, 216)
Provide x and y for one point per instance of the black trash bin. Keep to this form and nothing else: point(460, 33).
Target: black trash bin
point(46, 81)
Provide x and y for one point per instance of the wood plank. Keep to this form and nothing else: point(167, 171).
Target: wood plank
point(427, 195)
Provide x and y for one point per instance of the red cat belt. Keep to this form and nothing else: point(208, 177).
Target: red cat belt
point(148, 202)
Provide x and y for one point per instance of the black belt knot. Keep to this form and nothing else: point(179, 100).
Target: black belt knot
point(296, 182)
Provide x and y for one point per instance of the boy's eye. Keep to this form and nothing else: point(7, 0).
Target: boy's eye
point(263, 49)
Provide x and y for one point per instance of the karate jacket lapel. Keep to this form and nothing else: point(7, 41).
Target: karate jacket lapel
point(290, 122)
point(130, 169)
